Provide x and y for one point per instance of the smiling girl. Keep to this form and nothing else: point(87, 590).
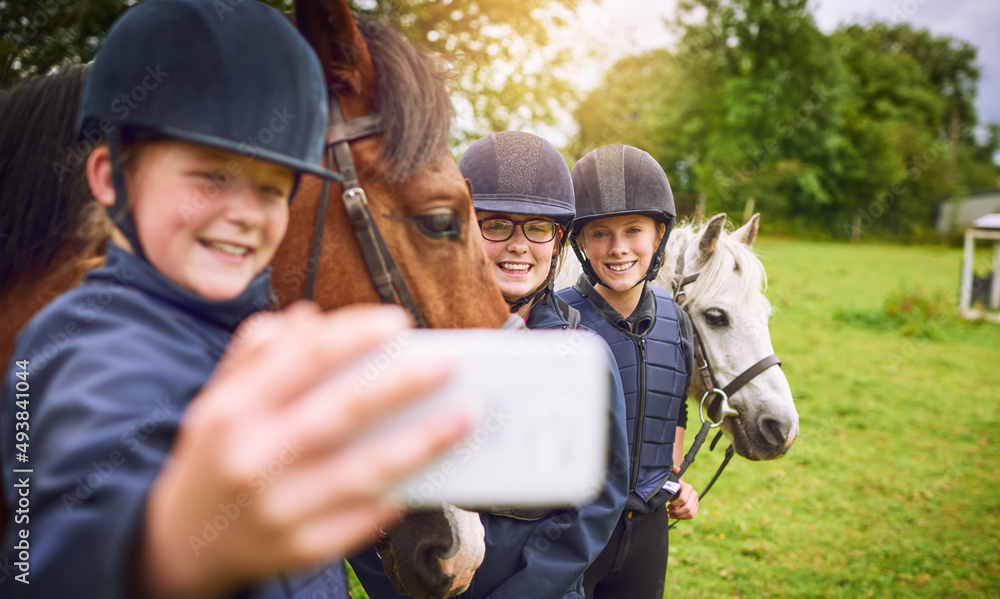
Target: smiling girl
point(523, 195)
point(157, 413)
point(625, 210)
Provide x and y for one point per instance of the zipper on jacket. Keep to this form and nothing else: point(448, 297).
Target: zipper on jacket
point(640, 416)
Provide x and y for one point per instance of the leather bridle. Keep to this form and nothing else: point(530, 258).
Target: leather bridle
point(720, 404)
point(382, 266)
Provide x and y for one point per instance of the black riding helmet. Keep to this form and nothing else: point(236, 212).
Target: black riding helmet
point(617, 180)
point(520, 173)
point(239, 78)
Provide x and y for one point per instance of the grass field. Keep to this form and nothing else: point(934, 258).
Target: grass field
point(893, 487)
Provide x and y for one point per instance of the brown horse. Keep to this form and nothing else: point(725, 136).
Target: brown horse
point(53, 233)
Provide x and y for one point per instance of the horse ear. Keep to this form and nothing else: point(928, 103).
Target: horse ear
point(329, 27)
point(748, 232)
point(710, 237)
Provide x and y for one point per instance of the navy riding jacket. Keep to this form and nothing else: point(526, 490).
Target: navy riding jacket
point(544, 557)
point(111, 367)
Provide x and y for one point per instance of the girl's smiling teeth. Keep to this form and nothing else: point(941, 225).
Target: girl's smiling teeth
point(228, 248)
point(621, 266)
point(515, 268)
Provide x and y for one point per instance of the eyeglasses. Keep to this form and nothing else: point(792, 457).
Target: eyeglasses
point(502, 229)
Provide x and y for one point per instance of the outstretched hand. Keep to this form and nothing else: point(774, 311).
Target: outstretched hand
point(270, 471)
point(685, 506)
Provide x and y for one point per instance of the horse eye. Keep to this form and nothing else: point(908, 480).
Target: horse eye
point(716, 317)
point(440, 224)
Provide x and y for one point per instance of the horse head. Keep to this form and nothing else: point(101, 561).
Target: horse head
point(728, 308)
point(418, 198)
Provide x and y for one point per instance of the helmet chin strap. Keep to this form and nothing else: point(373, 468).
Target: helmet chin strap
point(517, 305)
point(657, 262)
point(120, 214)
point(588, 269)
point(651, 271)
point(544, 290)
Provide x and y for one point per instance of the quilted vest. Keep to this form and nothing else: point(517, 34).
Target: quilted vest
point(654, 374)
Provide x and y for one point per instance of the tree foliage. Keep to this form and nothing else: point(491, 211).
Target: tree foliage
point(36, 37)
point(871, 126)
point(505, 70)
point(505, 73)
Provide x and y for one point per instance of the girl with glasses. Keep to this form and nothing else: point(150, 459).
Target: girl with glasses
point(523, 195)
point(524, 203)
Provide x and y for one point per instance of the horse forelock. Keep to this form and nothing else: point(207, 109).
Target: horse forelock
point(733, 266)
point(680, 237)
point(412, 101)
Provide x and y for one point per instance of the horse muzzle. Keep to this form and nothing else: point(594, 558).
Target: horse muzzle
point(766, 437)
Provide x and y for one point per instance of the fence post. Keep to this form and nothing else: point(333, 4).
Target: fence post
point(748, 210)
point(995, 287)
point(965, 296)
point(699, 209)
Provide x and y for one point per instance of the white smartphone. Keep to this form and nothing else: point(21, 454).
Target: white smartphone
point(542, 400)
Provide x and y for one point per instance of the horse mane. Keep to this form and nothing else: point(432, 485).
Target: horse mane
point(716, 275)
point(44, 199)
point(680, 236)
point(412, 100)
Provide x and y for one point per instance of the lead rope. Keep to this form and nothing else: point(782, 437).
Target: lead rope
point(708, 379)
point(706, 425)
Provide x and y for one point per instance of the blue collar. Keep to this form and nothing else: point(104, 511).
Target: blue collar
point(128, 270)
point(642, 317)
point(547, 315)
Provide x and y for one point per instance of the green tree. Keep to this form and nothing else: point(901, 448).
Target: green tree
point(950, 66)
point(505, 71)
point(916, 89)
point(895, 118)
point(763, 105)
point(822, 132)
point(37, 37)
point(739, 111)
point(636, 104)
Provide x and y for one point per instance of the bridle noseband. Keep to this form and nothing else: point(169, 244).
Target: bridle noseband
point(382, 266)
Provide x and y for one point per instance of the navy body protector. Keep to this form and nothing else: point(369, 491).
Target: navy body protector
point(654, 374)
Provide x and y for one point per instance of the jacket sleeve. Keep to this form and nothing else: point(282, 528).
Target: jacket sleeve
point(561, 546)
point(103, 410)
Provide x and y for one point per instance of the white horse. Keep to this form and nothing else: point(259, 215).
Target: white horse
point(727, 305)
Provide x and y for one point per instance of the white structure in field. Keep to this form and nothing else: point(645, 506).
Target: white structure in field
point(957, 214)
point(985, 227)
